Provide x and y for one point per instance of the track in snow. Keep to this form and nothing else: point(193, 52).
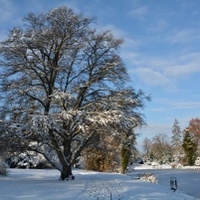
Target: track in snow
point(102, 190)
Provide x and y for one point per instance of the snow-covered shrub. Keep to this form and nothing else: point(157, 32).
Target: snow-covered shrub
point(173, 165)
point(149, 177)
point(147, 160)
point(12, 161)
point(25, 160)
point(179, 166)
point(197, 161)
point(176, 165)
point(3, 169)
point(155, 165)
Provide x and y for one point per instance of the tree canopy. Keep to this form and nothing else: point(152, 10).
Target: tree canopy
point(62, 82)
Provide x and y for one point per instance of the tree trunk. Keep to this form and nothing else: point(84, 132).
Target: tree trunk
point(66, 173)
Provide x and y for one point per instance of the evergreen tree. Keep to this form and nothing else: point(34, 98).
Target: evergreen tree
point(190, 147)
point(176, 139)
point(124, 159)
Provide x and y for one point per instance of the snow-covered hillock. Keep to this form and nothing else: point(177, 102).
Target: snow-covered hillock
point(149, 177)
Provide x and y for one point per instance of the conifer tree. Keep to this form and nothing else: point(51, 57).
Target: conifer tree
point(176, 138)
point(190, 147)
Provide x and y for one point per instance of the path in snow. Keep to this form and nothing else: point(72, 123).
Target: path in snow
point(99, 189)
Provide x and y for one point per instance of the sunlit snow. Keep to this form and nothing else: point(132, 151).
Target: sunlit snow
point(44, 184)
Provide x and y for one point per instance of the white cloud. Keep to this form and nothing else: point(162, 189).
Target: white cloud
point(180, 71)
point(185, 105)
point(183, 65)
point(131, 42)
point(163, 71)
point(184, 35)
point(115, 30)
point(152, 77)
point(158, 25)
point(176, 104)
point(138, 12)
point(158, 109)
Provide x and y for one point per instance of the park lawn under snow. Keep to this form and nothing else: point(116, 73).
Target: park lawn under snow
point(44, 184)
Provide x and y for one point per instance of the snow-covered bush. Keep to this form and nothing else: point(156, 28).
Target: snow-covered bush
point(149, 177)
point(155, 165)
point(25, 160)
point(197, 161)
point(3, 169)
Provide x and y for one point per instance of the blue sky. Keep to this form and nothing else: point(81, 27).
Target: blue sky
point(161, 49)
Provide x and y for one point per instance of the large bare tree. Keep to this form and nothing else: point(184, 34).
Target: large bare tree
point(61, 83)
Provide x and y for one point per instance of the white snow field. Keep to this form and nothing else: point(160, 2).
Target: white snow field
point(35, 184)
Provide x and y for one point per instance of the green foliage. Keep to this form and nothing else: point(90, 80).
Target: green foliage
point(190, 147)
point(125, 157)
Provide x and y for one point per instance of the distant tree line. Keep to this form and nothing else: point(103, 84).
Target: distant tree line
point(182, 148)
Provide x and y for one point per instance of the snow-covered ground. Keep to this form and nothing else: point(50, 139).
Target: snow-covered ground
point(44, 184)
point(154, 166)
